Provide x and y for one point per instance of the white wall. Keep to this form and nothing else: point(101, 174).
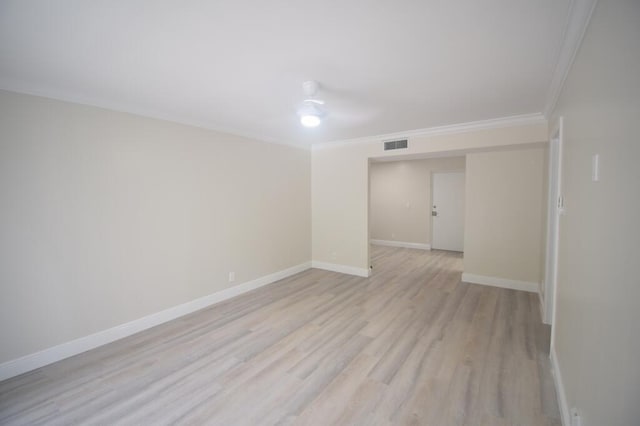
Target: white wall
point(400, 200)
point(597, 339)
point(504, 214)
point(107, 217)
point(340, 185)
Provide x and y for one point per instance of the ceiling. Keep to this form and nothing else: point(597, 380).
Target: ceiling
point(385, 66)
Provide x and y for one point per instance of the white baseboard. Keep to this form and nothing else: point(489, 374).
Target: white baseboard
point(500, 282)
point(343, 269)
point(402, 244)
point(541, 302)
point(65, 350)
point(565, 414)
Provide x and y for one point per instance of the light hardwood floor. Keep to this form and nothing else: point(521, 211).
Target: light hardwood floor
point(410, 345)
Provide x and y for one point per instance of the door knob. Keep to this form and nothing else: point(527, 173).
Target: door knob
point(434, 213)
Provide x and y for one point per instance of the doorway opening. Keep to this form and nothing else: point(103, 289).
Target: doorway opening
point(401, 200)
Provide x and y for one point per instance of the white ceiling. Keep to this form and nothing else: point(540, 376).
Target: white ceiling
point(385, 66)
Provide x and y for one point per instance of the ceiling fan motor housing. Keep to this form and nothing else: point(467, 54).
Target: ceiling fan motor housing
point(310, 88)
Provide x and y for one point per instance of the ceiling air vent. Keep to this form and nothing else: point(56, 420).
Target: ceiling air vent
point(397, 144)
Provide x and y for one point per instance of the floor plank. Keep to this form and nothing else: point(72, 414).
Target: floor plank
point(410, 345)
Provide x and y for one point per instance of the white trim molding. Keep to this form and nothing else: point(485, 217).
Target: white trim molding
point(541, 300)
point(60, 96)
point(578, 18)
point(495, 123)
point(529, 286)
point(65, 350)
point(561, 395)
point(402, 244)
point(554, 210)
point(343, 269)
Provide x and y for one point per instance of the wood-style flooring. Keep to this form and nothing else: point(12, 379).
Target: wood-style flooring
point(410, 345)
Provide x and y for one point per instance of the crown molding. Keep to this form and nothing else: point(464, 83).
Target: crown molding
point(494, 123)
point(516, 120)
point(580, 12)
point(142, 112)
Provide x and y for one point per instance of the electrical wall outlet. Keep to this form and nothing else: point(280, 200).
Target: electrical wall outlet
point(576, 420)
point(232, 277)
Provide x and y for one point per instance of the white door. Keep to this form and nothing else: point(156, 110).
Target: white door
point(447, 213)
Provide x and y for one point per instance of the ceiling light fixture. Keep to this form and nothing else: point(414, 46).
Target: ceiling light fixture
point(311, 111)
point(310, 120)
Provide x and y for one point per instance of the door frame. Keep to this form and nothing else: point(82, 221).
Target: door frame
point(433, 172)
point(555, 205)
